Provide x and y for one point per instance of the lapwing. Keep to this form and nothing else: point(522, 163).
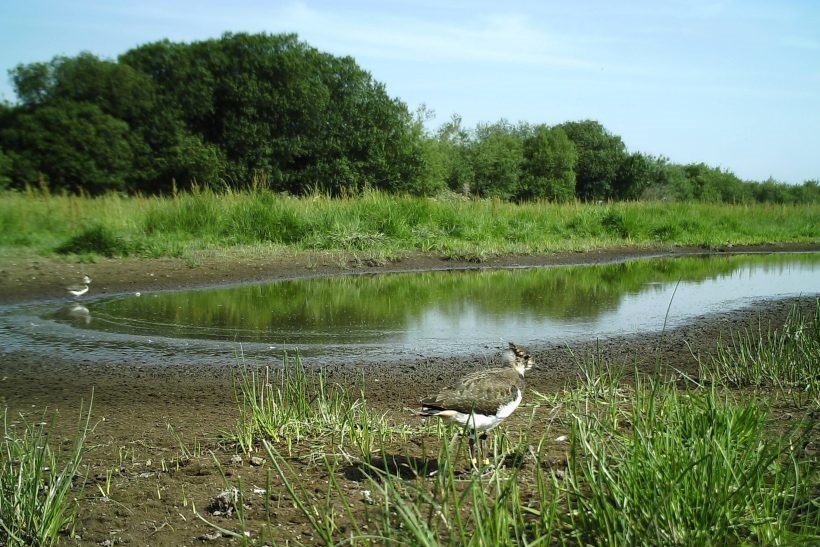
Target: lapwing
point(80, 289)
point(483, 399)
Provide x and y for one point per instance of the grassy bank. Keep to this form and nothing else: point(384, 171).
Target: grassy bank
point(378, 225)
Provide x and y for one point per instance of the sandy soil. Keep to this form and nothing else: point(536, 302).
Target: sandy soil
point(143, 414)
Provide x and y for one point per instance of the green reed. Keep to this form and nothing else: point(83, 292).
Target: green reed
point(292, 404)
point(36, 505)
point(786, 359)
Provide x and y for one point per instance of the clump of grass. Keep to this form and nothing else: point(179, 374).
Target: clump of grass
point(293, 404)
point(35, 487)
point(787, 359)
point(97, 239)
point(647, 463)
point(691, 469)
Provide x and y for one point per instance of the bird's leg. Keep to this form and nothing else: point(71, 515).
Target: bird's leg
point(473, 459)
point(484, 453)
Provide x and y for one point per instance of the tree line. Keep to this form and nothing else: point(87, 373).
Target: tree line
point(271, 110)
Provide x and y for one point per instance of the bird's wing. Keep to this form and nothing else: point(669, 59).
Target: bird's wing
point(482, 392)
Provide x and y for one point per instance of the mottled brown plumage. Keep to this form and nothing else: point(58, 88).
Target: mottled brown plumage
point(482, 392)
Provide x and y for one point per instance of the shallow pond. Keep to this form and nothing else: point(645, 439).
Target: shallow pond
point(368, 317)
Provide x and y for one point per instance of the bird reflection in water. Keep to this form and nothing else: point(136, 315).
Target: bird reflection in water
point(77, 313)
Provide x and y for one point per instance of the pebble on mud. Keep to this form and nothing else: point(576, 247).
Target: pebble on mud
point(224, 503)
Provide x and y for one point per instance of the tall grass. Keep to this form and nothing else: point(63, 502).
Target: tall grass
point(293, 404)
point(35, 487)
point(115, 225)
point(443, 508)
point(786, 359)
point(691, 469)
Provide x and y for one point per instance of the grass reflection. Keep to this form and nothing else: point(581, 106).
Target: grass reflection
point(363, 308)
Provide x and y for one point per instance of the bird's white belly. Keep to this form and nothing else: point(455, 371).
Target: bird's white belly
point(507, 409)
point(482, 422)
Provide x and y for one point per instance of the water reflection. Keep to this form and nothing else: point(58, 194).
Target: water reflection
point(434, 313)
point(376, 306)
point(76, 312)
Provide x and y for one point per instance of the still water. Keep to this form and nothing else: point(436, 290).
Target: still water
point(368, 317)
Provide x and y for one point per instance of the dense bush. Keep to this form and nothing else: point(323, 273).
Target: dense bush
point(273, 112)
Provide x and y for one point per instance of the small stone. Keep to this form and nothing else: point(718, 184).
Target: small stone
point(236, 459)
point(257, 461)
point(224, 503)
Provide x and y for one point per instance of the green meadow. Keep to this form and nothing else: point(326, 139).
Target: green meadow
point(377, 225)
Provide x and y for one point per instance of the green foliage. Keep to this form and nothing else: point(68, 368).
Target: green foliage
point(5, 170)
point(291, 404)
point(279, 109)
point(549, 166)
point(786, 359)
point(716, 185)
point(600, 155)
point(635, 174)
point(223, 111)
point(649, 463)
point(379, 226)
point(497, 156)
point(270, 111)
point(68, 145)
point(453, 143)
point(96, 239)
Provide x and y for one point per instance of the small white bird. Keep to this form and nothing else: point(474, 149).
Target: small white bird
point(81, 289)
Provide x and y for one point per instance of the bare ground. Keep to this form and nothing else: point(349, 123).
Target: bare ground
point(145, 417)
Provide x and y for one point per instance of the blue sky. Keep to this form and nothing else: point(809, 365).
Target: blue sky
point(735, 84)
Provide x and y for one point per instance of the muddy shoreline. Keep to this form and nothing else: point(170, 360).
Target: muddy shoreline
point(59, 382)
point(143, 413)
point(29, 279)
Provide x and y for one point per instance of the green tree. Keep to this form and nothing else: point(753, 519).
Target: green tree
point(549, 166)
point(163, 152)
point(33, 82)
point(600, 155)
point(5, 170)
point(668, 182)
point(716, 185)
point(497, 157)
point(284, 112)
point(455, 147)
point(808, 192)
point(69, 146)
point(433, 177)
point(634, 175)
